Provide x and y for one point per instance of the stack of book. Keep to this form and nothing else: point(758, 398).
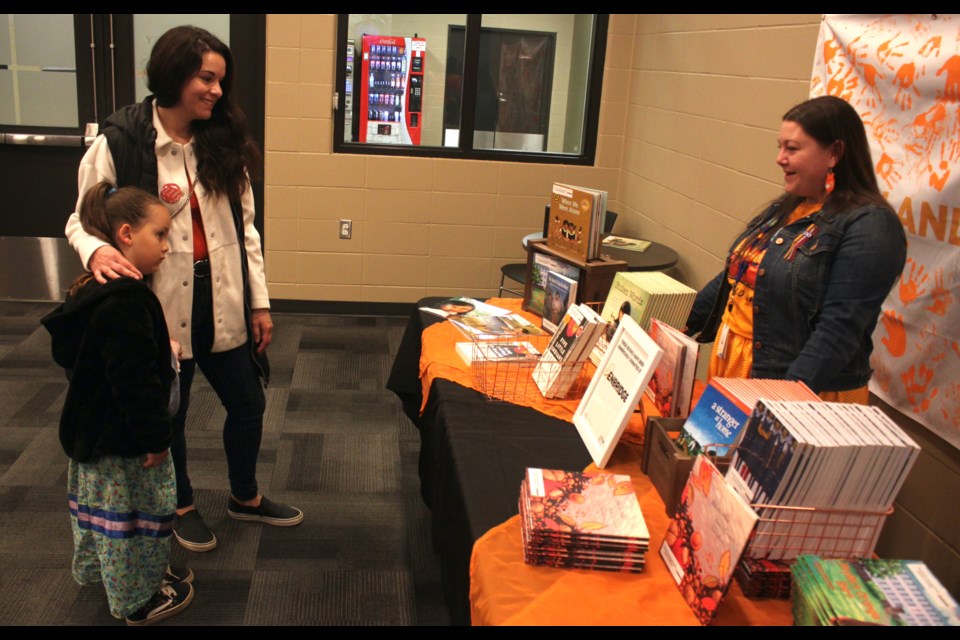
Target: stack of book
point(564, 356)
point(671, 387)
point(643, 295)
point(576, 221)
point(705, 538)
point(763, 578)
point(716, 420)
point(582, 520)
point(835, 592)
point(846, 462)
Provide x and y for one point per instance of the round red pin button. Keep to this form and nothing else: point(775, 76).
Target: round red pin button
point(171, 193)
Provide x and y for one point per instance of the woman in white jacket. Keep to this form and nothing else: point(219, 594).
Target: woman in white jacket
point(188, 143)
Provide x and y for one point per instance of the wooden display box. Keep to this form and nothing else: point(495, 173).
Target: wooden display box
point(667, 466)
point(596, 276)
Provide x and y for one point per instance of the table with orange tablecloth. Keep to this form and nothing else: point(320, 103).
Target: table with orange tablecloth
point(473, 455)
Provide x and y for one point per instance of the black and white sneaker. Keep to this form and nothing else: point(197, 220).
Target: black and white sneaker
point(178, 574)
point(169, 601)
point(193, 534)
point(268, 512)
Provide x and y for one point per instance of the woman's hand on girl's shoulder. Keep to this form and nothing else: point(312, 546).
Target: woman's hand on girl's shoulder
point(107, 263)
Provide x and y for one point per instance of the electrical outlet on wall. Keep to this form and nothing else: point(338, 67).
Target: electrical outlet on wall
point(346, 229)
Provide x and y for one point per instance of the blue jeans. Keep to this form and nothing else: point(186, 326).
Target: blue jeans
point(234, 378)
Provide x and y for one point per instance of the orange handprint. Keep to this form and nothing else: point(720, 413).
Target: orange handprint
point(950, 406)
point(942, 298)
point(896, 338)
point(930, 47)
point(904, 80)
point(939, 180)
point(910, 286)
point(916, 389)
point(951, 80)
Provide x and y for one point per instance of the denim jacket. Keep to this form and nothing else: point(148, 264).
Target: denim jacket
point(815, 308)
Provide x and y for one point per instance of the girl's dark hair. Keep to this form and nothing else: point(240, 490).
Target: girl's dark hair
point(225, 150)
point(105, 208)
point(829, 120)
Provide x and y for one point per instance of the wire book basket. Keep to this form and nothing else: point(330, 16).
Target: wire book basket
point(518, 379)
point(502, 376)
point(784, 532)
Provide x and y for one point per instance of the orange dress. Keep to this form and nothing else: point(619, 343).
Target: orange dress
point(732, 353)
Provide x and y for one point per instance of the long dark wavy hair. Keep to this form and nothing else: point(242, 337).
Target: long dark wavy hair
point(830, 120)
point(226, 152)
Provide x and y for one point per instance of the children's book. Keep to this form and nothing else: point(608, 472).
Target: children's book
point(576, 219)
point(706, 538)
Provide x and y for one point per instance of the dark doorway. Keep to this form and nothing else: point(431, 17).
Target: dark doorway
point(514, 85)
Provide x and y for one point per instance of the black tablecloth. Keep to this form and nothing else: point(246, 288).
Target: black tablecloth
point(473, 454)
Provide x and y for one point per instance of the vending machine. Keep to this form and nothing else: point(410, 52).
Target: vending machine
point(390, 109)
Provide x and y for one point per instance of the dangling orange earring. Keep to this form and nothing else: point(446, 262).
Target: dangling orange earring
point(830, 184)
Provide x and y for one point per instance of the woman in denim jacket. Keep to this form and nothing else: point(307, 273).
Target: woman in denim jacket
point(803, 284)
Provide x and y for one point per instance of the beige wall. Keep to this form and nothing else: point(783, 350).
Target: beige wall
point(421, 226)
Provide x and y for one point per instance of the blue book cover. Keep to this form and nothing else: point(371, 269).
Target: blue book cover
point(715, 420)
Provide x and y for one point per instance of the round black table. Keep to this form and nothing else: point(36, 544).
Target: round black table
point(656, 257)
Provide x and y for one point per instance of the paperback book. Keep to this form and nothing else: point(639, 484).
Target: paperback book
point(631, 244)
point(576, 220)
point(494, 327)
point(586, 520)
point(671, 387)
point(844, 462)
point(615, 388)
point(714, 424)
point(541, 266)
point(463, 307)
point(643, 295)
point(496, 351)
point(561, 362)
point(561, 292)
point(887, 592)
point(705, 538)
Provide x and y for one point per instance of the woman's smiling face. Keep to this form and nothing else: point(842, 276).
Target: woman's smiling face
point(804, 161)
point(201, 92)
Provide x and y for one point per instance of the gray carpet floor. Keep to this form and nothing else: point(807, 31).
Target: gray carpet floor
point(335, 444)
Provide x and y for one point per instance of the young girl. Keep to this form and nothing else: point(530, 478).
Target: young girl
point(116, 426)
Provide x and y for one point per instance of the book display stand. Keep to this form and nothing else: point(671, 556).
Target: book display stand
point(596, 276)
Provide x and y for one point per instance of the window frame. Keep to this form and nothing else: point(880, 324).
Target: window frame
point(465, 149)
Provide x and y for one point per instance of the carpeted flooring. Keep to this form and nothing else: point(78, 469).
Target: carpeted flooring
point(335, 444)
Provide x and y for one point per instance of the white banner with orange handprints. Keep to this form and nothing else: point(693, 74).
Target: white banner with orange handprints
point(902, 74)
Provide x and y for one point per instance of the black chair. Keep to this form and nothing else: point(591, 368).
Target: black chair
point(517, 271)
